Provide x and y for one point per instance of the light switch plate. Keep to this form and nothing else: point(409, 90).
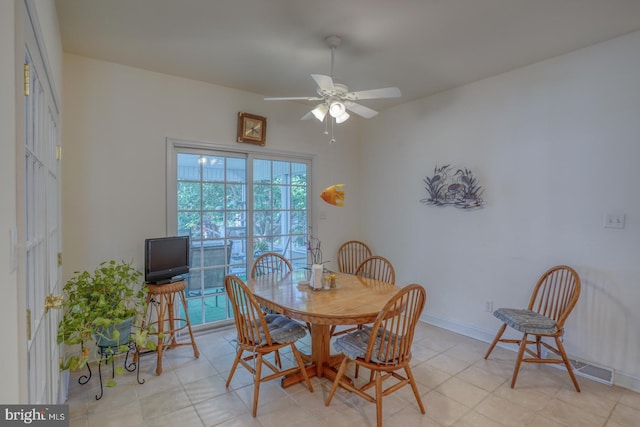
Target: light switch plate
point(614, 220)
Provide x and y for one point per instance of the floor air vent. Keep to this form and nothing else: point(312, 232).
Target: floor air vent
point(586, 369)
point(596, 373)
point(590, 371)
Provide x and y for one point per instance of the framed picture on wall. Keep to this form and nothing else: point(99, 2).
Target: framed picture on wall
point(252, 129)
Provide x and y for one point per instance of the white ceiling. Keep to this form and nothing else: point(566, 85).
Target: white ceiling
point(270, 47)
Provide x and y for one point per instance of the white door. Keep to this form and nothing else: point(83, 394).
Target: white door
point(40, 231)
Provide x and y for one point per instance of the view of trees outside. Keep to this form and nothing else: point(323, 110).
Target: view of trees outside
point(280, 209)
point(231, 222)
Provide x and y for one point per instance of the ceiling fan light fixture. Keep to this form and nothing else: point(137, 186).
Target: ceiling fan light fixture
point(336, 109)
point(320, 111)
point(342, 117)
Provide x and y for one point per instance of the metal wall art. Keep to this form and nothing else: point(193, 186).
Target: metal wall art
point(448, 188)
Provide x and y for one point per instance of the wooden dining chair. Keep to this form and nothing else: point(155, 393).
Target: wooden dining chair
point(373, 267)
point(351, 254)
point(553, 299)
point(384, 348)
point(378, 268)
point(270, 263)
point(259, 335)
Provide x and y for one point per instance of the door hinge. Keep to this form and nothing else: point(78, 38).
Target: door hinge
point(58, 152)
point(26, 80)
point(59, 259)
point(28, 324)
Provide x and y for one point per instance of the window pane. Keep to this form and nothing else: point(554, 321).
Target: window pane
point(299, 197)
point(261, 223)
point(281, 196)
point(262, 171)
point(262, 196)
point(188, 167)
point(236, 170)
point(189, 224)
point(212, 196)
point(188, 196)
point(212, 224)
point(236, 197)
point(212, 168)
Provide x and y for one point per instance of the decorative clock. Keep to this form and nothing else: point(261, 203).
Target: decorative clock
point(252, 129)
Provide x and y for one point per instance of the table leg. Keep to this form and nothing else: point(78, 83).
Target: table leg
point(320, 347)
point(322, 362)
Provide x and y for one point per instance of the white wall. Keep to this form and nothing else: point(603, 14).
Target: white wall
point(116, 121)
point(555, 145)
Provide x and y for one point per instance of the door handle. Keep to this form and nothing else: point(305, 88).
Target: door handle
point(52, 301)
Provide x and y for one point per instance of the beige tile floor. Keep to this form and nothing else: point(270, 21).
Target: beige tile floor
point(458, 387)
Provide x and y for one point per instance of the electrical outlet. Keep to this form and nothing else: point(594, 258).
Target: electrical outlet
point(488, 306)
point(614, 220)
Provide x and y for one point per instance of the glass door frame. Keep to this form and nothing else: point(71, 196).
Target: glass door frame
point(176, 146)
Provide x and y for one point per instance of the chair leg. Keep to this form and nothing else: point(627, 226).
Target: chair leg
point(379, 399)
point(336, 382)
point(414, 387)
point(233, 367)
point(496, 339)
point(278, 361)
point(563, 354)
point(523, 346)
point(303, 369)
point(256, 385)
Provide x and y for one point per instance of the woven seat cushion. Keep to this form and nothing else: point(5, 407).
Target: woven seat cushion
point(354, 345)
point(527, 321)
point(282, 329)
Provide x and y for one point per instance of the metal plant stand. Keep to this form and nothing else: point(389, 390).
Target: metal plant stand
point(109, 353)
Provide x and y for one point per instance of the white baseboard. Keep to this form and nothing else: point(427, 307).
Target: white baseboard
point(627, 381)
point(466, 330)
point(620, 378)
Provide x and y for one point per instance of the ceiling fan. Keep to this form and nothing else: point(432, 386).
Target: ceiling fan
point(335, 98)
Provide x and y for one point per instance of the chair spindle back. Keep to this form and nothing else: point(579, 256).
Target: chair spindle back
point(249, 318)
point(378, 268)
point(270, 263)
point(351, 254)
point(556, 293)
point(395, 326)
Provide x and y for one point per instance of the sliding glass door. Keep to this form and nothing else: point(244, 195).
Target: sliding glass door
point(235, 206)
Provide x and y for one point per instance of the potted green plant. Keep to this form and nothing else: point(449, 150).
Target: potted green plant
point(101, 308)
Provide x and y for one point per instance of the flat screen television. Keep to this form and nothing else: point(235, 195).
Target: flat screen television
point(166, 259)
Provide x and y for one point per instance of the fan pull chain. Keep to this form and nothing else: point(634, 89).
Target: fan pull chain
point(332, 140)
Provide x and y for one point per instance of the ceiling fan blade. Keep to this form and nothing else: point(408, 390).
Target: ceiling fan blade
point(360, 110)
point(385, 92)
point(293, 98)
point(324, 82)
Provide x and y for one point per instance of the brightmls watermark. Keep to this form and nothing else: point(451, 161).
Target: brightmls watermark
point(36, 415)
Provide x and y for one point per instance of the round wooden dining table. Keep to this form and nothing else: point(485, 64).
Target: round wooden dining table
point(354, 300)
